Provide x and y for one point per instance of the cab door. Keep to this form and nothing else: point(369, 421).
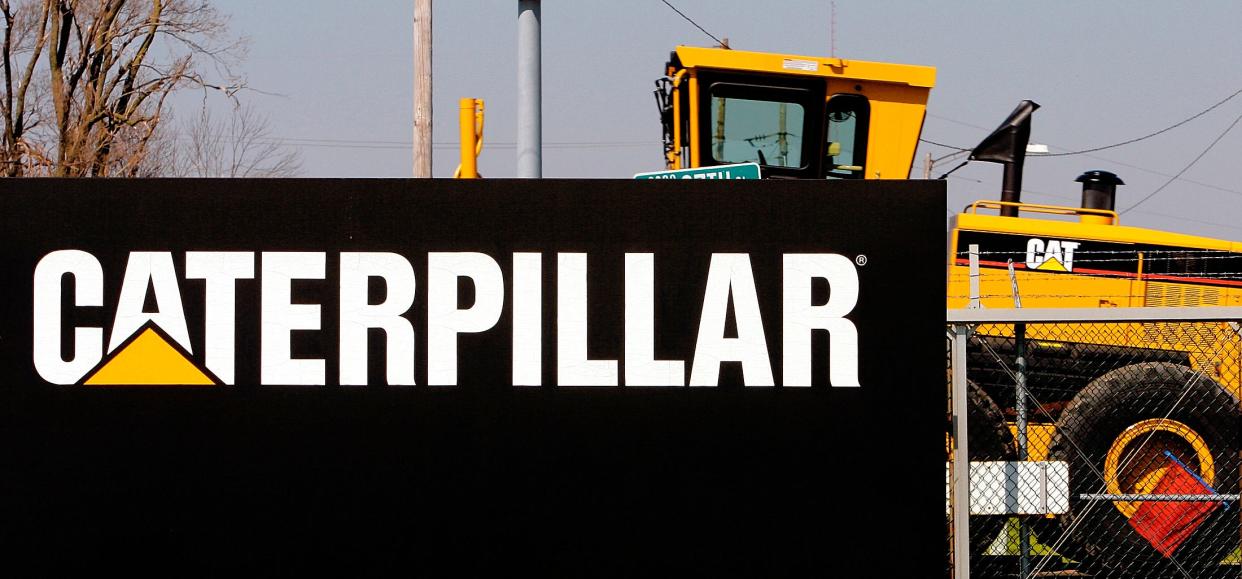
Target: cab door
point(765, 119)
point(845, 149)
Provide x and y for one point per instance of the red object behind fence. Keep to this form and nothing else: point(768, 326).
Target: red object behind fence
point(1166, 525)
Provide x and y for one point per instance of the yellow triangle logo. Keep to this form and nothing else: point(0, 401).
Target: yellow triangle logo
point(1052, 264)
point(149, 358)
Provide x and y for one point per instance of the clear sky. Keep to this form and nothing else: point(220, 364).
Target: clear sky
point(1104, 72)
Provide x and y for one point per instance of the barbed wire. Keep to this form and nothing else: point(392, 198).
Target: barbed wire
point(1118, 251)
point(1214, 275)
point(1146, 260)
point(1049, 296)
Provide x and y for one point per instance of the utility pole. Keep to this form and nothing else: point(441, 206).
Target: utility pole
point(422, 88)
point(529, 109)
point(832, 32)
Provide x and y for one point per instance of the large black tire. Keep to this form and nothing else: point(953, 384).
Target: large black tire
point(1101, 536)
point(989, 439)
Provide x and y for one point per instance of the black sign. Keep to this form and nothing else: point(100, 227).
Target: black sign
point(575, 376)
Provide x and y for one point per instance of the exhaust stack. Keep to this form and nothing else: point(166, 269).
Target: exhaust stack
point(1099, 191)
point(1007, 145)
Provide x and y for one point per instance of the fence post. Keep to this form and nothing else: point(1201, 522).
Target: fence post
point(1020, 401)
point(961, 457)
point(1019, 334)
point(974, 276)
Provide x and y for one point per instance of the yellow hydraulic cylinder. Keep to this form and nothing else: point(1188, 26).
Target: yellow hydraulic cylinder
point(470, 124)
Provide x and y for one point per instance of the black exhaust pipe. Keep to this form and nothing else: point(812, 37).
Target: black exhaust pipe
point(1099, 191)
point(1007, 144)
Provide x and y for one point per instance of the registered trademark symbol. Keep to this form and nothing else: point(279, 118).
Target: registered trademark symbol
point(861, 260)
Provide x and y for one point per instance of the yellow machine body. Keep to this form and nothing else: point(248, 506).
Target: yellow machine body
point(803, 117)
point(1109, 265)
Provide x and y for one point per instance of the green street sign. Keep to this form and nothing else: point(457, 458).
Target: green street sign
point(739, 171)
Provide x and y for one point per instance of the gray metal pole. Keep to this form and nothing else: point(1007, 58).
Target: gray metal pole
point(961, 457)
point(1019, 330)
point(1024, 530)
point(530, 98)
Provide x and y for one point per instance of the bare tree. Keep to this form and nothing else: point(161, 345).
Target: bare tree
point(240, 146)
point(95, 105)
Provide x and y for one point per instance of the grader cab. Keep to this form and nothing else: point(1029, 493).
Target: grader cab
point(798, 117)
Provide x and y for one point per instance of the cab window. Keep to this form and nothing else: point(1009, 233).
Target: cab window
point(848, 117)
point(772, 125)
point(762, 129)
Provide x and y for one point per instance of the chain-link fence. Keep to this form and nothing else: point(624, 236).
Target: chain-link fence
point(1101, 443)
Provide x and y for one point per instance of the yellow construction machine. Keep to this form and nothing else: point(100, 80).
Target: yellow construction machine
point(803, 117)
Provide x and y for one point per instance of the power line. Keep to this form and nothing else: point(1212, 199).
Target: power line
point(1145, 137)
point(1085, 153)
point(1191, 220)
point(1095, 149)
point(958, 177)
point(406, 145)
point(696, 24)
point(1172, 178)
point(1187, 167)
point(1026, 191)
point(957, 122)
point(1162, 174)
point(931, 142)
